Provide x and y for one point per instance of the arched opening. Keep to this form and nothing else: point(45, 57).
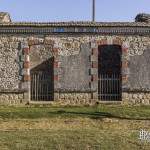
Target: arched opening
point(109, 72)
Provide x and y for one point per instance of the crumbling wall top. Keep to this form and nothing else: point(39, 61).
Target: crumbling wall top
point(4, 17)
point(142, 17)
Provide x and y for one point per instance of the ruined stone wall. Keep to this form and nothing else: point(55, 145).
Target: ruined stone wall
point(70, 48)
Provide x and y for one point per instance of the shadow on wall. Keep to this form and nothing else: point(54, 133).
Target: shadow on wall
point(42, 81)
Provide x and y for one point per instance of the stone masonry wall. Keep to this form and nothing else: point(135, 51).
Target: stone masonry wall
point(11, 99)
point(136, 98)
point(70, 45)
point(9, 62)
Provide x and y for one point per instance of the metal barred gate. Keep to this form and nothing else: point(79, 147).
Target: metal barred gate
point(109, 73)
point(41, 86)
point(109, 87)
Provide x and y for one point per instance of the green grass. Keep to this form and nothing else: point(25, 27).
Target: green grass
point(95, 112)
point(102, 127)
point(68, 139)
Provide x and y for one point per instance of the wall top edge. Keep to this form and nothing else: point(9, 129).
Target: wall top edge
point(91, 30)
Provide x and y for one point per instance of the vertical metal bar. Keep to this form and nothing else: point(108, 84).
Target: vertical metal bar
point(102, 88)
point(115, 86)
point(35, 86)
point(31, 87)
point(105, 86)
point(100, 80)
point(44, 87)
point(118, 87)
point(113, 97)
point(111, 79)
point(33, 83)
point(47, 86)
point(40, 86)
point(105, 79)
point(111, 86)
point(108, 87)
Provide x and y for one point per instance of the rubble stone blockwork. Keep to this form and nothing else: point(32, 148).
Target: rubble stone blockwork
point(74, 48)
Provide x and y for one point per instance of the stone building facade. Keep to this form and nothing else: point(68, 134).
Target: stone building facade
point(75, 62)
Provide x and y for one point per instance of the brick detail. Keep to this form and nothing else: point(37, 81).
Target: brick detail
point(56, 64)
point(26, 58)
point(48, 42)
point(26, 78)
point(125, 64)
point(34, 41)
point(26, 65)
point(94, 64)
point(55, 50)
point(56, 78)
point(26, 68)
point(124, 78)
point(102, 42)
point(26, 51)
point(94, 51)
point(117, 41)
point(93, 58)
point(94, 78)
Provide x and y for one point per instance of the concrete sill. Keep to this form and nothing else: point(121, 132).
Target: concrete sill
point(110, 102)
point(41, 102)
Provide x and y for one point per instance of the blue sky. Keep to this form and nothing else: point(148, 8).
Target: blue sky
point(73, 10)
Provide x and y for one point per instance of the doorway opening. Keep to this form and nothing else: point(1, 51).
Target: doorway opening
point(42, 81)
point(109, 73)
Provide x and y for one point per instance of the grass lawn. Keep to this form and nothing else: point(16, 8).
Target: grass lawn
point(102, 127)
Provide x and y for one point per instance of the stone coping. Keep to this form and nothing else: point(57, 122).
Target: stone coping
point(75, 24)
point(74, 91)
point(76, 29)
